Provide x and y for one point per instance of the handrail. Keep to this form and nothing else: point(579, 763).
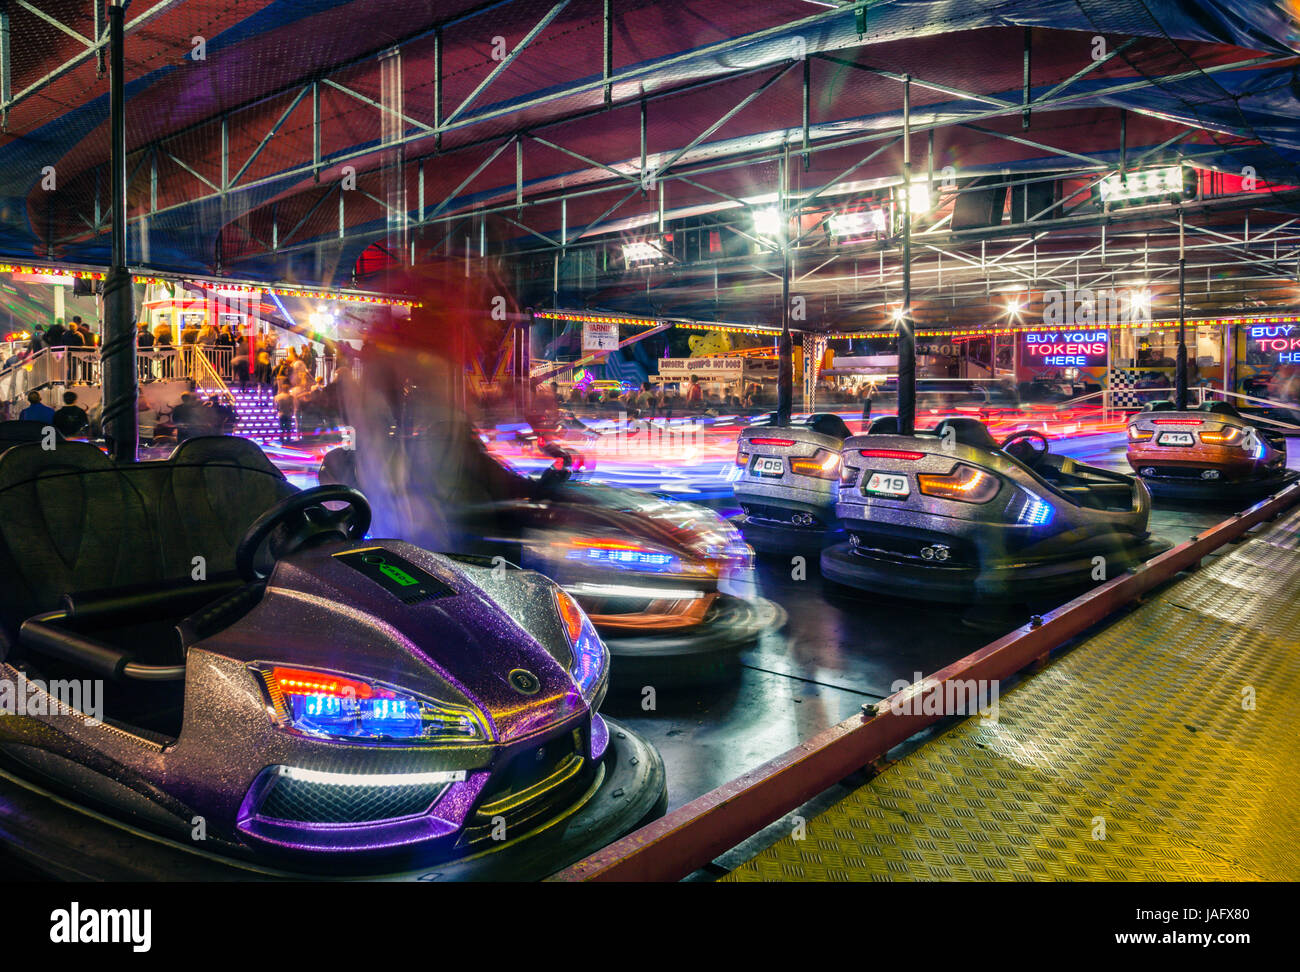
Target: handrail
point(202, 364)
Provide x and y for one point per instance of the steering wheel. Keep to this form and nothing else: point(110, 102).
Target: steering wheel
point(299, 521)
point(1035, 456)
point(559, 471)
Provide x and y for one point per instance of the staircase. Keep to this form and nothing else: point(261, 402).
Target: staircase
point(258, 418)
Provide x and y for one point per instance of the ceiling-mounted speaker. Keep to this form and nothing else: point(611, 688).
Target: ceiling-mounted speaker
point(980, 203)
point(1033, 199)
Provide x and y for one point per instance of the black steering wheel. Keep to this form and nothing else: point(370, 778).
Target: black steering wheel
point(555, 475)
point(1032, 456)
point(299, 521)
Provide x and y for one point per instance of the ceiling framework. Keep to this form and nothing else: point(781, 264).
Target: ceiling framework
point(496, 145)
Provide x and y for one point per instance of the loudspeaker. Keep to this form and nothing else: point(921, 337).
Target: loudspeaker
point(975, 208)
point(1029, 200)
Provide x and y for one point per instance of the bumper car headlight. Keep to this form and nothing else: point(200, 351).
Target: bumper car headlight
point(336, 706)
point(590, 656)
point(965, 483)
point(642, 558)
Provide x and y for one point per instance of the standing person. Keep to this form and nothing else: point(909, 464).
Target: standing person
point(645, 401)
point(36, 410)
point(308, 359)
point(144, 345)
point(71, 419)
point(695, 394)
point(225, 347)
point(284, 406)
point(189, 335)
point(162, 342)
point(262, 366)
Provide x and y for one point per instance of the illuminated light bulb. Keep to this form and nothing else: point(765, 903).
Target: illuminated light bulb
point(767, 222)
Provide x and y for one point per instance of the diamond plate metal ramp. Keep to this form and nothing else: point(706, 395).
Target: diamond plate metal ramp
point(1162, 748)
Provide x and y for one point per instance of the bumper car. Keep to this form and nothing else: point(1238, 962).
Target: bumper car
point(663, 582)
point(787, 482)
point(954, 515)
point(1210, 454)
point(280, 696)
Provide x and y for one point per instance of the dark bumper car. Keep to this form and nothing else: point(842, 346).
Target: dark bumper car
point(952, 515)
point(664, 582)
point(1209, 455)
point(281, 696)
point(787, 483)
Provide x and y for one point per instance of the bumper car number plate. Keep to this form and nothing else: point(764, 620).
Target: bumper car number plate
point(768, 466)
point(886, 484)
point(1175, 438)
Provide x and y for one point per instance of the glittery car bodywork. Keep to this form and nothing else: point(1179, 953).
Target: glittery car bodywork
point(1017, 532)
point(342, 802)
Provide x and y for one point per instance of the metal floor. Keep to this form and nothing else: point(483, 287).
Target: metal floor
point(1141, 729)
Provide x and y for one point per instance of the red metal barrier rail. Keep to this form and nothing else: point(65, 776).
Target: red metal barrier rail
point(693, 835)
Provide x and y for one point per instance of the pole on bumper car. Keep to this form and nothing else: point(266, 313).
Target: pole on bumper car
point(906, 335)
point(121, 423)
point(1180, 361)
point(784, 349)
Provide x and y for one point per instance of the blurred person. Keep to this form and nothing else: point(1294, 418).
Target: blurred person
point(162, 344)
point(695, 394)
point(284, 407)
point(192, 418)
point(225, 418)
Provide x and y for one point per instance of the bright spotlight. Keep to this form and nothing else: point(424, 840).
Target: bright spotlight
point(767, 222)
point(918, 198)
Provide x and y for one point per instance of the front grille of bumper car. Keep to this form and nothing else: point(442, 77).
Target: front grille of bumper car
point(306, 801)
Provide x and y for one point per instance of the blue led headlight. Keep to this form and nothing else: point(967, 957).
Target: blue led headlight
point(590, 656)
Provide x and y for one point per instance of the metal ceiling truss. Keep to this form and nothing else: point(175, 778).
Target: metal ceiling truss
point(769, 146)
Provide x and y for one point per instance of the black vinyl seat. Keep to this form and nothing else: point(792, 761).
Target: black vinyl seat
point(885, 425)
point(1220, 408)
point(828, 423)
point(968, 432)
point(17, 431)
point(73, 521)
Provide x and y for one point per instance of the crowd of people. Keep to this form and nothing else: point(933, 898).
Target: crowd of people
point(651, 400)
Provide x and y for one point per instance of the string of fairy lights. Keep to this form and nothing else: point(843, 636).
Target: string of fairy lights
point(223, 286)
point(580, 317)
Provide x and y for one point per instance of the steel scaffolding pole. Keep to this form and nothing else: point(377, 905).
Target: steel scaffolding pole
point(906, 334)
point(121, 424)
point(784, 350)
point(1180, 361)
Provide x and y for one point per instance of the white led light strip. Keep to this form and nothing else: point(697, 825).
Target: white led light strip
point(371, 779)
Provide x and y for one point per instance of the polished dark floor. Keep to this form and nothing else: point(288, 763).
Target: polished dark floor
point(835, 652)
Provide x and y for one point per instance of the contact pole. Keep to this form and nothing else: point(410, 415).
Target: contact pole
point(785, 350)
point(121, 423)
point(906, 335)
point(1180, 361)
